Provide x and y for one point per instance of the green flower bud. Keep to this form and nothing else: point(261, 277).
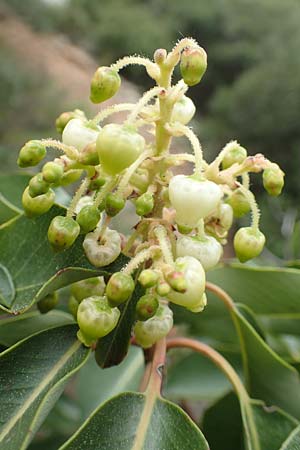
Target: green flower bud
point(152, 330)
point(184, 229)
point(87, 288)
point(114, 203)
point(65, 117)
point(144, 204)
point(183, 111)
point(119, 288)
point(105, 84)
point(140, 179)
point(239, 204)
point(52, 172)
point(225, 216)
point(70, 177)
point(73, 305)
point(89, 155)
point(88, 218)
point(160, 55)
point(118, 147)
point(273, 180)
point(193, 65)
point(248, 243)
point(236, 154)
point(47, 303)
point(38, 186)
point(31, 154)
point(163, 289)
point(146, 307)
point(97, 182)
point(148, 278)
point(62, 232)
point(39, 205)
point(96, 318)
point(176, 280)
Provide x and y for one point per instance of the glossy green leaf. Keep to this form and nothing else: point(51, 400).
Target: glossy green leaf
point(33, 266)
point(293, 441)
point(133, 421)
point(19, 327)
point(32, 376)
point(266, 290)
point(112, 349)
point(270, 426)
point(106, 383)
point(11, 189)
point(195, 377)
point(268, 376)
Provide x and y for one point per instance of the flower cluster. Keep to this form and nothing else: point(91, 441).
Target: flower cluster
point(184, 218)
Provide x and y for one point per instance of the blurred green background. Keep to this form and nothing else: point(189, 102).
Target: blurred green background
point(251, 91)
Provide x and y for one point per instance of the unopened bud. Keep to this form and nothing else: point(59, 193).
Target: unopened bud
point(47, 303)
point(87, 288)
point(239, 204)
point(62, 232)
point(105, 84)
point(160, 55)
point(248, 243)
point(176, 280)
point(89, 155)
point(144, 204)
point(193, 65)
point(31, 154)
point(235, 154)
point(36, 206)
point(88, 218)
point(163, 289)
point(65, 117)
point(38, 186)
point(146, 307)
point(148, 278)
point(52, 172)
point(273, 180)
point(119, 288)
point(114, 203)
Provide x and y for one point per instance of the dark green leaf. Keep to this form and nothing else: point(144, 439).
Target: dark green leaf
point(133, 421)
point(105, 383)
point(195, 377)
point(265, 290)
point(33, 375)
point(33, 266)
point(268, 376)
point(11, 189)
point(293, 441)
point(16, 328)
point(112, 349)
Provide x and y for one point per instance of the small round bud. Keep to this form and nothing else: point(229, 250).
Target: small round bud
point(87, 288)
point(193, 199)
point(31, 154)
point(183, 111)
point(140, 180)
point(146, 307)
point(176, 280)
point(148, 278)
point(193, 65)
point(96, 318)
point(97, 182)
point(119, 288)
point(207, 250)
point(65, 117)
point(62, 232)
point(248, 243)
point(152, 330)
point(163, 289)
point(239, 204)
point(160, 55)
point(118, 147)
point(73, 305)
point(88, 218)
point(184, 229)
point(235, 154)
point(273, 180)
point(114, 203)
point(102, 250)
point(79, 133)
point(225, 216)
point(47, 303)
point(144, 204)
point(89, 155)
point(52, 172)
point(36, 206)
point(70, 177)
point(105, 84)
point(195, 282)
point(38, 186)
